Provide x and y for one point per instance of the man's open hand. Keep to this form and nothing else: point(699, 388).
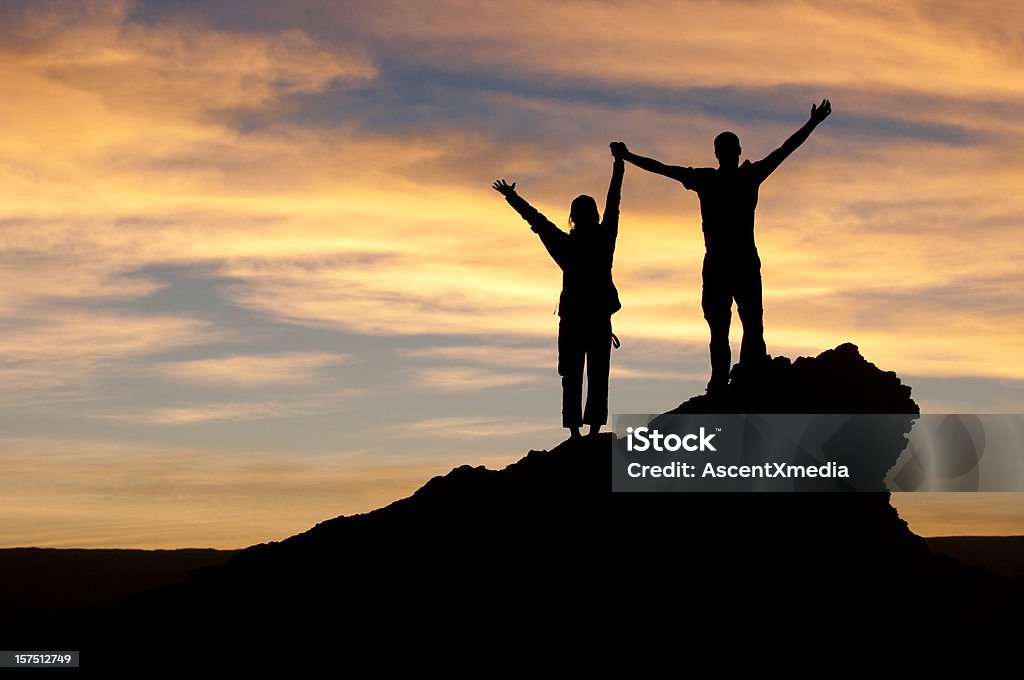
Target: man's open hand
point(504, 188)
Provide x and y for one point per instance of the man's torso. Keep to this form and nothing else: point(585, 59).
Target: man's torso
point(727, 202)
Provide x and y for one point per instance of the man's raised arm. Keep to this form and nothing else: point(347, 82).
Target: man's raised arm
point(775, 158)
point(619, 150)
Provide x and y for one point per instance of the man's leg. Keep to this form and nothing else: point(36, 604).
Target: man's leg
point(751, 313)
point(570, 367)
point(599, 350)
point(716, 302)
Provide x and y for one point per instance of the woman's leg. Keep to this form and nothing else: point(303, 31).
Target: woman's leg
point(570, 366)
point(599, 350)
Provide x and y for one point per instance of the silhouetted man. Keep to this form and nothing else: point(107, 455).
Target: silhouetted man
point(732, 268)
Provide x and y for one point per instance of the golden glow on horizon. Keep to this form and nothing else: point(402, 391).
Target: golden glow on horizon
point(961, 514)
point(110, 496)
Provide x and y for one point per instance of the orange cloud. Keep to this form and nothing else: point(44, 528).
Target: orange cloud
point(765, 44)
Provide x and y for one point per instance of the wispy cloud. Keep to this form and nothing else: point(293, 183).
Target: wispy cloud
point(282, 407)
point(204, 413)
point(469, 379)
point(61, 353)
point(474, 427)
point(488, 355)
point(289, 368)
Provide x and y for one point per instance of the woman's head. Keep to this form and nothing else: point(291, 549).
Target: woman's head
point(583, 212)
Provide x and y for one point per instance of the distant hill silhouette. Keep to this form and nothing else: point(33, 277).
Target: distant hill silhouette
point(540, 555)
point(44, 580)
point(1002, 554)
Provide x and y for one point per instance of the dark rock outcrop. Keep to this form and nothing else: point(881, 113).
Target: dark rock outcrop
point(838, 380)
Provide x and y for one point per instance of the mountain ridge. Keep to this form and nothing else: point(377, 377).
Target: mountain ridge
point(481, 557)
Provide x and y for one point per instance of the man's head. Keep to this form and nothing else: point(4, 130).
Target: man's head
point(583, 212)
point(727, 150)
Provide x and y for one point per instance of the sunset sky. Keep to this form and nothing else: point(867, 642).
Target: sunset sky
point(253, 275)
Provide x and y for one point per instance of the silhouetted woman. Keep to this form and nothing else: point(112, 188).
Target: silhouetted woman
point(588, 297)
